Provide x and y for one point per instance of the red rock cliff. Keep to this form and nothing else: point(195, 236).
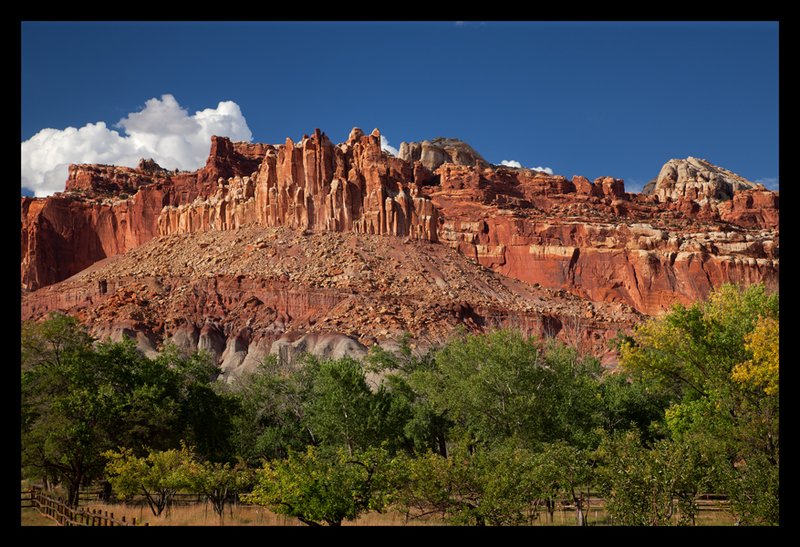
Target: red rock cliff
point(314, 185)
point(590, 238)
point(597, 241)
point(107, 210)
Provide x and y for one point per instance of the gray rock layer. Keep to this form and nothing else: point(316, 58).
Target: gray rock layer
point(697, 179)
point(434, 153)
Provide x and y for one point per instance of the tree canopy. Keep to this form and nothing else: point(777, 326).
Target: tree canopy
point(486, 429)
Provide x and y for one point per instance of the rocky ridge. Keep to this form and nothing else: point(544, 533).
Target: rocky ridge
point(588, 243)
point(697, 179)
point(595, 240)
point(432, 154)
point(242, 294)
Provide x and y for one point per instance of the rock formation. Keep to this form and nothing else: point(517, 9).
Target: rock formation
point(311, 185)
point(314, 185)
point(602, 254)
point(432, 154)
point(243, 294)
point(597, 241)
point(696, 179)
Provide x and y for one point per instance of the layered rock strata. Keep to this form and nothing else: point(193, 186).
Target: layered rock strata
point(432, 154)
point(314, 185)
point(602, 254)
point(697, 179)
point(597, 241)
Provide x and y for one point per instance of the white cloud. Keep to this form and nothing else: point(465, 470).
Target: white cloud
point(162, 130)
point(386, 147)
point(518, 165)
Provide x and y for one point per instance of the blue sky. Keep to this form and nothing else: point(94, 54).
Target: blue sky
point(591, 98)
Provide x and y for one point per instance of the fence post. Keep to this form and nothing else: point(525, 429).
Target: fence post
point(134, 521)
point(112, 519)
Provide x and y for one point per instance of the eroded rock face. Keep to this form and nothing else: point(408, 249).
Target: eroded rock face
point(697, 179)
point(752, 209)
point(595, 240)
point(245, 294)
point(314, 185)
point(433, 154)
point(112, 180)
point(231, 159)
point(591, 239)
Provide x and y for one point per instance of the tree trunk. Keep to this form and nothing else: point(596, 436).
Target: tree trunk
point(73, 490)
point(442, 446)
point(580, 518)
point(105, 495)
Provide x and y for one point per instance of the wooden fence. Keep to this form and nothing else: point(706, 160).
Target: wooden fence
point(56, 509)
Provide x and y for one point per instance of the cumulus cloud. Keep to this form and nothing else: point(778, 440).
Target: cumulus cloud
point(386, 147)
point(162, 130)
point(518, 165)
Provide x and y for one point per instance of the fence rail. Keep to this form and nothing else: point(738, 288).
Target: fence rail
point(56, 509)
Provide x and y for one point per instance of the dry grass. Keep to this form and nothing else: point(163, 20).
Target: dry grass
point(31, 517)
point(189, 513)
point(202, 514)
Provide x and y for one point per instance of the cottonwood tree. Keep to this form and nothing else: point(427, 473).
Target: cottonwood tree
point(649, 486)
point(271, 403)
point(80, 398)
point(158, 476)
point(487, 487)
point(560, 471)
point(718, 361)
point(218, 482)
point(326, 486)
point(503, 385)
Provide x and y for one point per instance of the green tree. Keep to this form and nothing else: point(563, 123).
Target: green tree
point(79, 399)
point(503, 386)
point(425, 429)
point(63, 408)
point(714, 359)
point(561, 470)
point(487, 487)
point(158, 476)
point(218, 482)
point(270, 411)
point(343, 410)
point(629, 403)
point(326, 486)
point(204, 414)
point(649, 486)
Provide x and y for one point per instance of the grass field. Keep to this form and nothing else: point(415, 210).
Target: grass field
point(31, 517)
point(187, 512)
point(201, 514)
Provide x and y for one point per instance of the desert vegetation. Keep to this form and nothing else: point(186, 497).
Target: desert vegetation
point(489, 429)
